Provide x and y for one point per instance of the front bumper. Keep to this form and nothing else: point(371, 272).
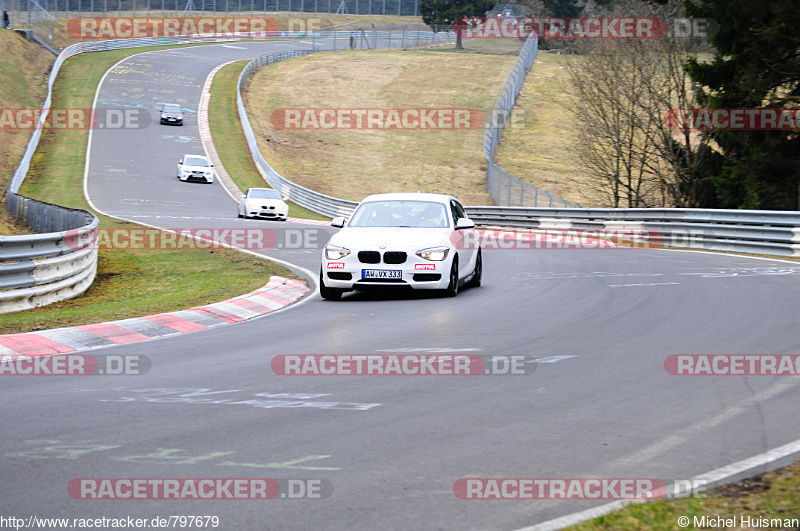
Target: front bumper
point(267, 213)
point(197, 178)
point(415, 273)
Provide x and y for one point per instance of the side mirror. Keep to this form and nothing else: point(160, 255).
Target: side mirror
point(338, 222)
point(465, 223)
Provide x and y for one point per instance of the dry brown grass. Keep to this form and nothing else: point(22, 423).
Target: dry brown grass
point(542, 139)
point(352, 164)
point(24, 67)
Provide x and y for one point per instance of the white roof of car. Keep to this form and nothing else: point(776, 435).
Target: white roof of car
point(439, 198)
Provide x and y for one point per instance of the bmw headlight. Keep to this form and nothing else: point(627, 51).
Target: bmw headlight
point(164, 116)
point(334, 252)
point(435, 254)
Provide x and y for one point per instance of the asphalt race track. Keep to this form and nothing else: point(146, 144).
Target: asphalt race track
point(600, 403)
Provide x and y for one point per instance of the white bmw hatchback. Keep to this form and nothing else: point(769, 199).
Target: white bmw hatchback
point(421, 241)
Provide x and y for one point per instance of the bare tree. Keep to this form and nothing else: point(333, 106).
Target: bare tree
point(623, 92)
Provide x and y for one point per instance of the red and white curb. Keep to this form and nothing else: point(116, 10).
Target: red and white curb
point(205, 136)
point(276, 294)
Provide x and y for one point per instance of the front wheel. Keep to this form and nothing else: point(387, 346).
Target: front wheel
point(452, 287)
point(329, 294)
point(477, 273)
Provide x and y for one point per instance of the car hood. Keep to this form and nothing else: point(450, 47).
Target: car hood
point(393, 238)
point(197, 168)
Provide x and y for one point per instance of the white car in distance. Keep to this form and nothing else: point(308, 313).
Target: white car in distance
point(264, 203)
point(421, 241)
point(196, 168)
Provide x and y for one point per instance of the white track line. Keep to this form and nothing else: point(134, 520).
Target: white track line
point(715, 476)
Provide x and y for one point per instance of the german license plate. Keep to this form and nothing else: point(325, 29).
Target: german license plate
point(382, 273)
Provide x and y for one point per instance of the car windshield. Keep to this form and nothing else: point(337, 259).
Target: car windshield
point(196, 161)
point(418, 214)
point(264, 194)
point(172, 108)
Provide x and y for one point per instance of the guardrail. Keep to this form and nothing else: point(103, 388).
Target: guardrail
point(770, 232)
point(306, 198)
point(58, 264)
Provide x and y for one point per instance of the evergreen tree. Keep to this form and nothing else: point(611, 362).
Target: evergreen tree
point(756, 65)
point(448, 12)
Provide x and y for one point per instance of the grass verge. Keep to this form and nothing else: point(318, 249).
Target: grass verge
point(767, 496)
point(538, 146)
point(130, 282)
point(223, 118)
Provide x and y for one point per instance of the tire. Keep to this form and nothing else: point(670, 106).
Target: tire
point(477, 273)
point(329, 294)
point(452, 287)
